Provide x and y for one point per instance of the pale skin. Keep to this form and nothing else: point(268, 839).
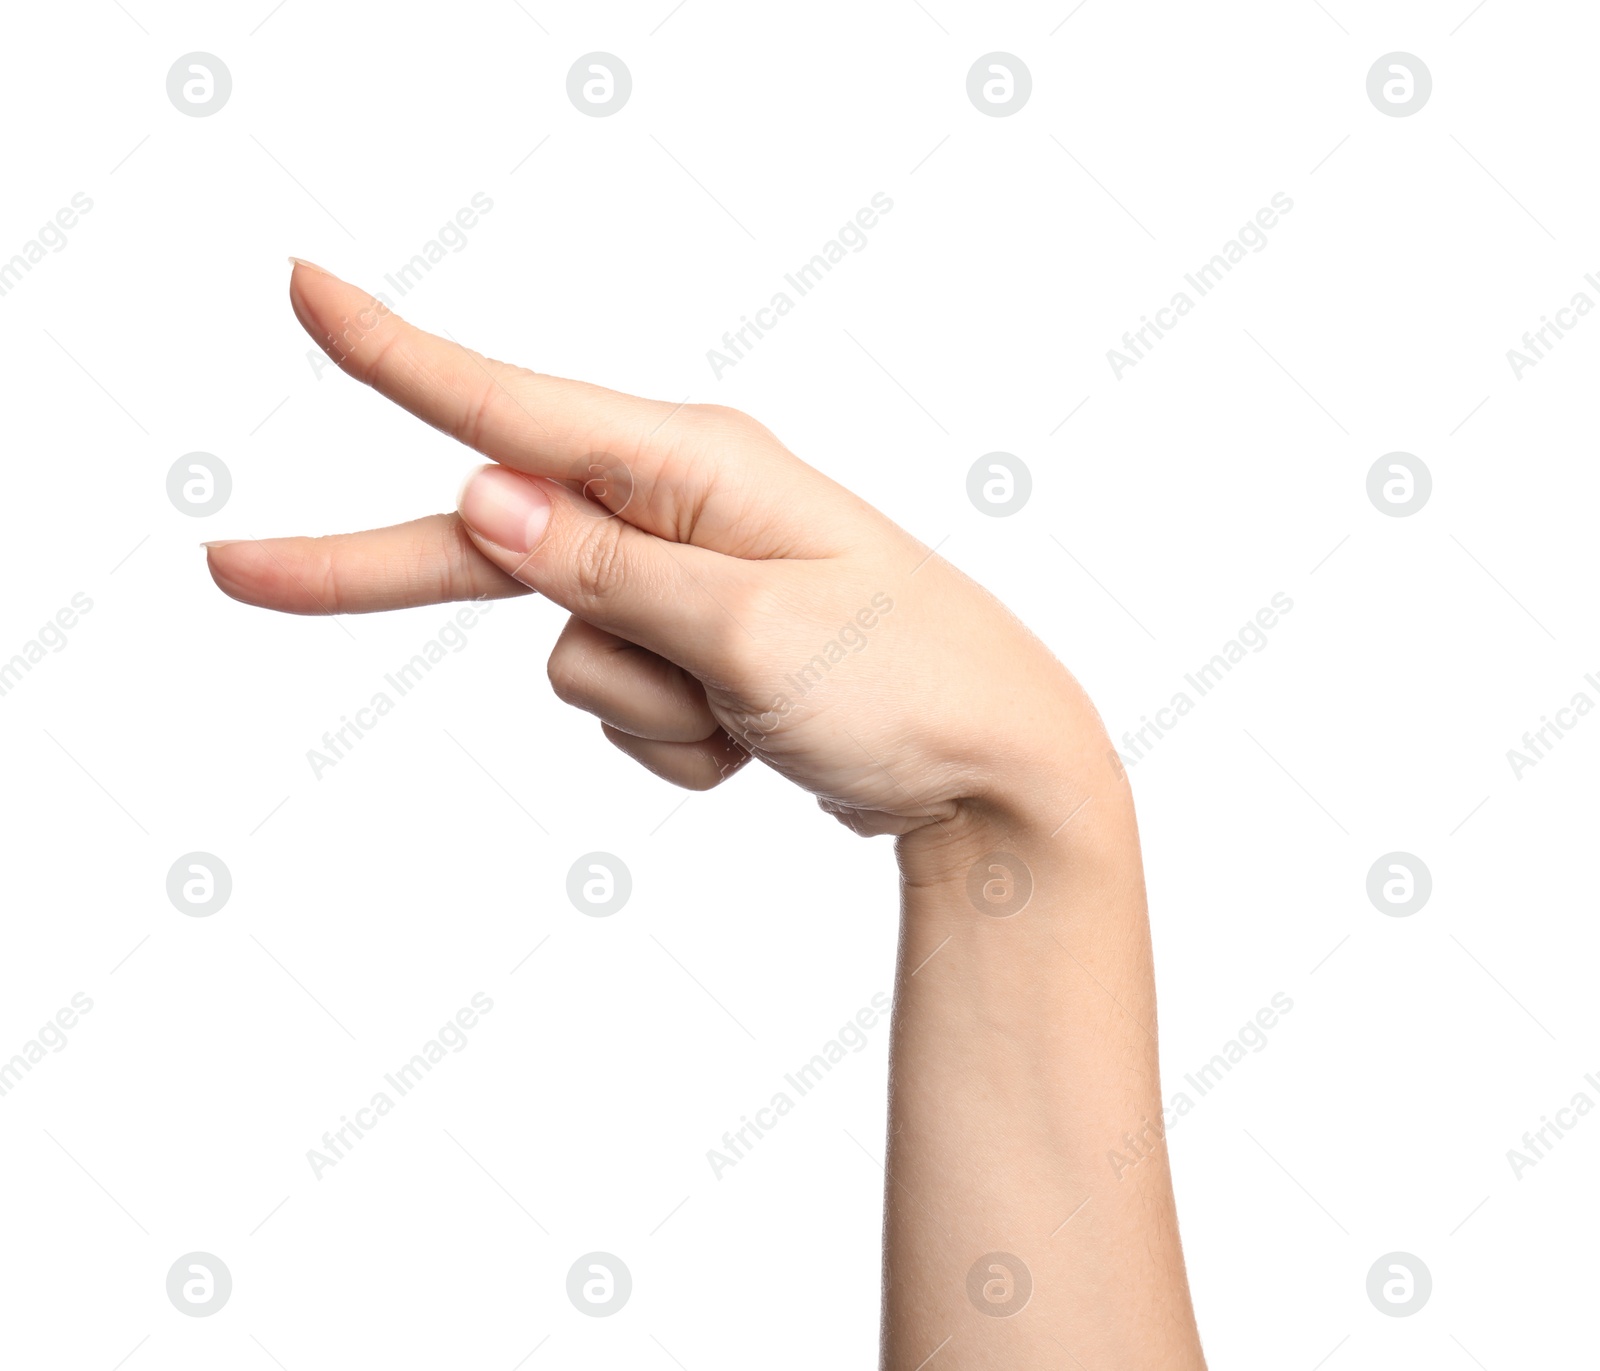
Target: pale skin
point(1029, 1210)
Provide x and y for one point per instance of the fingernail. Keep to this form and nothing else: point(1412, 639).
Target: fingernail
point(224, 542)
point(506, 508)
point(301, 262)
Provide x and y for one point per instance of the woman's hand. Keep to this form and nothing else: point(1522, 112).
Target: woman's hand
point(727, 600)
point(730, 602)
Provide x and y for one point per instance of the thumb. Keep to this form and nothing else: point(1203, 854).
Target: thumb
point(671, 598)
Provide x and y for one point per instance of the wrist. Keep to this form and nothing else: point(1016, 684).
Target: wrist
point(1061, 820)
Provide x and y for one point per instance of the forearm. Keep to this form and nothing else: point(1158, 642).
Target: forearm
point(1024, 1049)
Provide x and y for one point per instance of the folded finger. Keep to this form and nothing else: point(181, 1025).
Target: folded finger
point(628, 687)
point(694, 766)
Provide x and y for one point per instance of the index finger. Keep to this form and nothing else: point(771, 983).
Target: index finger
point(543, 425)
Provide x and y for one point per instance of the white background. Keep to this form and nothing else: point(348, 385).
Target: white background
point(368, 906)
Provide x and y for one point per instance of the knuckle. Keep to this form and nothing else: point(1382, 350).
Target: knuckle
point(470, 427)
point(330, 595)
point(599, 564)
point(566, 673)
point(740, 628)
point(753, 601)
point(356, 351)
point(725, 422)
point(723, 641)
point(716, 413)
point(460, 556)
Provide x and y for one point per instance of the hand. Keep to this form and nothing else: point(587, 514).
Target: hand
point(730, 602)
point(727, 600)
